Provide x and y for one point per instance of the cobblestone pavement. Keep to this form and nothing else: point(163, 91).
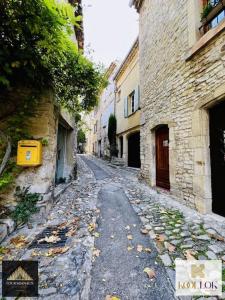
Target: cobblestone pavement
point(168, 231)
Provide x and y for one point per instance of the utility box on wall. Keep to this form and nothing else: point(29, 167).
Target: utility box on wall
point(29, 153)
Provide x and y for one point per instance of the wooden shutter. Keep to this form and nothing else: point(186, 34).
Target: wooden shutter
point(125, 107)
point(136, 99)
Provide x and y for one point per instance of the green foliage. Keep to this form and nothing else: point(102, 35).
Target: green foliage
point(112, 125)
point(81, 138)
point(206, 10)
point(37, 51)
point(44, 142)
point(26, 205)
point(9, 175)
point(112, 128)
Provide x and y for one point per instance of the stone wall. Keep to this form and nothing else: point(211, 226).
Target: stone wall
point(42, 126)
point(178, 91)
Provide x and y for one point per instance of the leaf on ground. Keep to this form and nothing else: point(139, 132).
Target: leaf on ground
point(4, 250)
point(109, 297)
point(144, 231)
point(129, 248)
point(150, 272)
point(50, 239)
point(56, 251)
point(130, 237)
point(148, 250)
point(71, 232)
point(138, 201)
point(139, 248)
point(160, 237)
point(96, 252)
point(91, 227)
point(112, 236)
point(189, 255)
point(19, 241)
point(169, 247)
point(55, 232)
point(62, 225)
point(97, 234)
point(127, 227)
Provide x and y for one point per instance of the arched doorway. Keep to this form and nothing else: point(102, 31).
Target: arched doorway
point(162, 157)
point(134, 150)
point(217, 151)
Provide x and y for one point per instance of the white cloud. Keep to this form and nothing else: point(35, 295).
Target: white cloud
point(110, 28)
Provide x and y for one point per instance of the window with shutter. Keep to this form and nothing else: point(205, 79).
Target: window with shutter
point(125, 107)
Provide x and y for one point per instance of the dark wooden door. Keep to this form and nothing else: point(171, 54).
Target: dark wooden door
point(134, 150)
point(217, 150)
point(162, 157)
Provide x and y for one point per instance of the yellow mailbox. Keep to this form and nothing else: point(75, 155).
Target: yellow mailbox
point(29, 153)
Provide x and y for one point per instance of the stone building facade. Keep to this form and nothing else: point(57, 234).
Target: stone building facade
point(101, 113)
point(127, 108)
point(182, 76)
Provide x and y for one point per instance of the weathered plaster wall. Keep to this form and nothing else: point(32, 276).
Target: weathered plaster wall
point(177, 92)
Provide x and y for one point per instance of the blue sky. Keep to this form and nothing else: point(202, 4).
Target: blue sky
point(110, 28)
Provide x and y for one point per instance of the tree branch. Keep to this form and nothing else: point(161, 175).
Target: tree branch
point(7, 153)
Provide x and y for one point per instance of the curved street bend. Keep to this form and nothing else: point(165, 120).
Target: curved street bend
point(122, 239)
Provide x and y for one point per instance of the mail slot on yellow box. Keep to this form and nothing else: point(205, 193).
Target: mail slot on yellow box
point(29, 153)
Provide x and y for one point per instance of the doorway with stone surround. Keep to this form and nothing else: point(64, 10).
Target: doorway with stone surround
point(217, 155)
point(134, 150)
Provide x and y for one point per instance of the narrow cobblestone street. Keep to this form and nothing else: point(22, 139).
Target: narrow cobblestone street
point(122, 238)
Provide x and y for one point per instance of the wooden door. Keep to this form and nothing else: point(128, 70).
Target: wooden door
point(217, 150)
point(162, 157)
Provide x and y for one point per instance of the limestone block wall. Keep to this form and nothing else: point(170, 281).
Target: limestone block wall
point(178, 91)
point(42, 126)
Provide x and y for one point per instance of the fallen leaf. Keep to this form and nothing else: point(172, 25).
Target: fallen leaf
point(112, 236)
point(109, 297)
point(144, 231)
point(96, 252)
point(71, 232)
point(55, 251)
point(169, 247)
point(62, 225)
point(97, 234)
point(160, 237)
point(19, 241)
point(50, 239)
point(4, 250)
point(149, 250)
point(127, 227)
point(150, 272)
point(139, 248)
point(130, 237)
point(129, 248)
point(91, 227)
point(189, 255)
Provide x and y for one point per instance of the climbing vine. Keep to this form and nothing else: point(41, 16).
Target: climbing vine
point(37, 53)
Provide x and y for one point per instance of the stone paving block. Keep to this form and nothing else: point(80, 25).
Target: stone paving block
point(216, 249)
point(211, 255)
point(166, 260)
point(48, 291)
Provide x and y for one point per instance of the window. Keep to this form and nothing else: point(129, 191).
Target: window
point(132, 103)
point(213, 13)
point(131, 100)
